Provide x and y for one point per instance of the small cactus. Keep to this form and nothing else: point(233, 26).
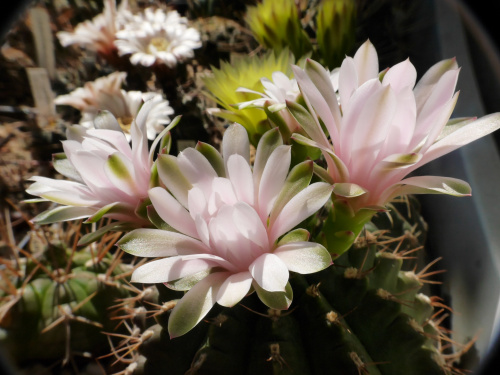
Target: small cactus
point(57, 300)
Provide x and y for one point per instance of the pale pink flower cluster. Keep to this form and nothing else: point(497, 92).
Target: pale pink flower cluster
point(380, 126)
point(105, 93)
point(158, 37)
point(108, 177)
point(228, 220)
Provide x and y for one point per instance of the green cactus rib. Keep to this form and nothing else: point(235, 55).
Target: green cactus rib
point(364, 315)
point(56, 312)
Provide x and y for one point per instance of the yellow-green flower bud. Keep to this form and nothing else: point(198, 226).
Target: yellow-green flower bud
point(335, 32)
point(276, 25)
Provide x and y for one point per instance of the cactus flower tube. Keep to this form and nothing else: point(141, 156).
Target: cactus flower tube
point(232, 226)
point(109, 177)
point(380, 128)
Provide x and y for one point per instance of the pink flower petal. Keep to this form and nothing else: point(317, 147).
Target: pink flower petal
point(400, 76)
point(273, 178)
point(249, 224)
point(196, 168)
point(172, 212)
point(299, 208)
point(469, 133)
point(425, 85)
point(348, 81)
point(441, 93)
point(366, 62)
point(240, 175)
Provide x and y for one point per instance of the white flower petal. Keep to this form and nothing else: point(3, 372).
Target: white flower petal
point(172, 212)
point(240, 175)
point(299, 208)
point(273, 178)
point(169, 269)
point(235, 141)
point(160, 243)
point(234, 289)
point(270, 272)
point(304, 257)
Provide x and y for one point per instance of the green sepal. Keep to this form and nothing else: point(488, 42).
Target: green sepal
point(296, 235)
point(323, 174)
point(213, 156)
point(305, 119)
point(297, 180)
point(112, 208)
point(156, 220)
point(188, 282)
point(120, 170)
point(275, 300)
point(62, 165)
point(343, 225)
point(63, 213)
point(154, 179)
point(277, 120)
point(93, 236)
point(160, 138)
point(166, 144)
point(348, 190)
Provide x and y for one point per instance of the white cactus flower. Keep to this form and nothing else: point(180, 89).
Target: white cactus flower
point(158, 37)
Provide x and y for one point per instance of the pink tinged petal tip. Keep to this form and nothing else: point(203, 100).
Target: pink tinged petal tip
point(366, 62)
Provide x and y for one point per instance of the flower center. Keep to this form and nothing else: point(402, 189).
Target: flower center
point(158, 44)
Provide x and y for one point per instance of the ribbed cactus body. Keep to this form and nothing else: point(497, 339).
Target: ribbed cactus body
point(364, 315)
point(59, 310)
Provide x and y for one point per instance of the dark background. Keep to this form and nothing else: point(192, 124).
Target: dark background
point(487, 16)
point(482, 9)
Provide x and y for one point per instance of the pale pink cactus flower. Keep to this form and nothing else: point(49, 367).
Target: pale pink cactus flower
point(229, 222)
point(381, 126)
point(108, 177)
